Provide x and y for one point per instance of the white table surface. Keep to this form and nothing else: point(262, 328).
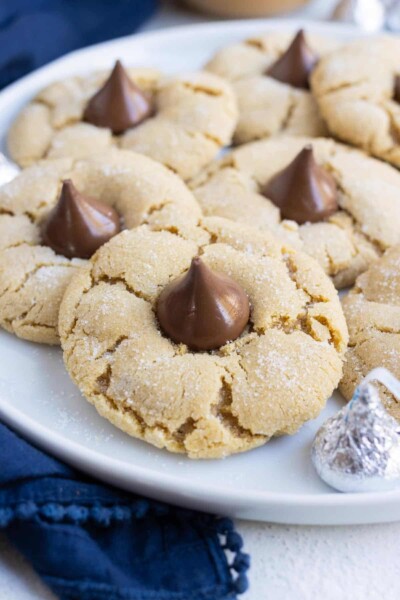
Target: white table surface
point(288, 562)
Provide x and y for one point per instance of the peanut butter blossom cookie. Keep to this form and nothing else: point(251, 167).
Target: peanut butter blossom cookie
point(337, 204)
point(372, 310)
point(181, 122)
point(270, 76)
point(57, 213)
point(357, 88)
point(208, 343)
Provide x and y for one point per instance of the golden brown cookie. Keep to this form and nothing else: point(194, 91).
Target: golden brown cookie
point(269, 381)
point(366, 223)
point(32, 276)
point(355, 87)
point(372, 310)
point(268, 106)
point(194, 117)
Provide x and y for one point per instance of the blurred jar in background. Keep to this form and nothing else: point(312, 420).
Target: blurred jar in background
point(247, 8)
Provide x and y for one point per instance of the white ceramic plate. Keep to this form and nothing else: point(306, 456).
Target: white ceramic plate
point(274, 483)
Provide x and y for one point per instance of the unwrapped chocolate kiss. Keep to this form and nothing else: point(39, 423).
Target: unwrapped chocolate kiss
point(78, 225)
point(203, 309)
point(304, 191)
point(295, 65)
point(119, 104)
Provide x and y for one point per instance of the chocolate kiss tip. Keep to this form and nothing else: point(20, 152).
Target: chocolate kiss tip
point(303, 191)
point(119, 104)
point(78, 225)
point(295, 65)
point(396, 94)
point(202, 308)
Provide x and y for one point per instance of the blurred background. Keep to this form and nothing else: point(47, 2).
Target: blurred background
point(33, 32)
point(368, 14)
point(251, 8)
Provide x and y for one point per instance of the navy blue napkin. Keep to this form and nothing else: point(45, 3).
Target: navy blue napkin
point(33, 32)
point(89, 541)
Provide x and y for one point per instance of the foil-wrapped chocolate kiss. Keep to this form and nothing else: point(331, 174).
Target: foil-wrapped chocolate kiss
point(358, 449)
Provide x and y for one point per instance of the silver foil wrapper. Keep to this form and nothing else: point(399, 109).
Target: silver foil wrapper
point(358, 449)
point(367, 14)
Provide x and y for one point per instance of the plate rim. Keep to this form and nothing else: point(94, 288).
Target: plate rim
point(136, 477)
point(273, 507)
point(16, 419)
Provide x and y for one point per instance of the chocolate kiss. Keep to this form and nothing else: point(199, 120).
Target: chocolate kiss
point(397, 88)
point(78, 225)
point(303, 191)
point(203, 309)
point(119, 104)
point(295, 65)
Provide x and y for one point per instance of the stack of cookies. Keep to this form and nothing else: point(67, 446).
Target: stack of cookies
point(195, 295)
